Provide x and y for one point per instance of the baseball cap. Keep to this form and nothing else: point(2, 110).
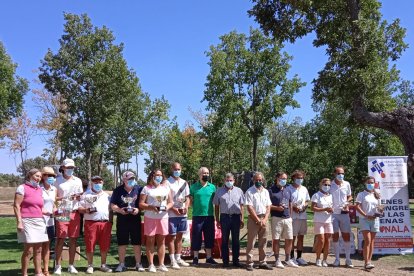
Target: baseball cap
point(127, 175)
point(96, 177)
point(68, 163)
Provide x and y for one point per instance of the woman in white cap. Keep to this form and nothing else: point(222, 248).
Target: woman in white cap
point(49, 198)
point(31, 226)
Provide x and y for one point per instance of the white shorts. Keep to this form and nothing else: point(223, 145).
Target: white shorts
point(282, 228)
point(300, 227)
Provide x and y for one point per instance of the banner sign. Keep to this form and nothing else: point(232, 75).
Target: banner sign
point(395, 236)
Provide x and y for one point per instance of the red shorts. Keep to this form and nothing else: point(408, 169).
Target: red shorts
point(69, 229)
point(97, 232)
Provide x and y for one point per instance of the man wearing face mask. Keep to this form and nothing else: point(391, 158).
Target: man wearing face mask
point(281, 221)
point(341, 196)
point(228, 202)
point(128, 222)
point(177, 215)
point(98, 225)
point(69, 188)
point(258, 204)
point(201, 196)
point(299, 198)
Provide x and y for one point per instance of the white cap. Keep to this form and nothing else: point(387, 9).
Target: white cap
point(68, 163)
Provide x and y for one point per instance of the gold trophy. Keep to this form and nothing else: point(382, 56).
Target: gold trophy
point(129, 200)
point(161, 203)
point(91, 199)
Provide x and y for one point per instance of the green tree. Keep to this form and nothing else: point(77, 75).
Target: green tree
point(360, 76)
point(30, 163)
point(248, 79)
point(91, 75)
point(12, 89)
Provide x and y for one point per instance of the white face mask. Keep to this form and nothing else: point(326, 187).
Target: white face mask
point(229, 184)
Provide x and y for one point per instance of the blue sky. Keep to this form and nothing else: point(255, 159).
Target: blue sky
point(165, 43)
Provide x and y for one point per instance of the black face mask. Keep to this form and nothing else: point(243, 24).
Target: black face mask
point(204, 178)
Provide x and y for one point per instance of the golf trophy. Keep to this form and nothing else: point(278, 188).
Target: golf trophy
point(284, 203)
point(344, 207)
point(298, 205)
point(180, 201)
point(129, 200)
point(90, 200)
point(161, 202)
point(64, 208)
point(379, 210)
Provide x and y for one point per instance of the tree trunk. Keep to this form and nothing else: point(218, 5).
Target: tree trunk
point(100, 163)
point(88, 157)
point(255, 141)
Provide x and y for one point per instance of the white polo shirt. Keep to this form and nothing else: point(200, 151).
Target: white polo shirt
point(49, 197)
point(101, 204)
point(162, 191)
point(68, 187)
point(259, 199)
point(368, 202)
point(299, 194)
point(177, 185)
point(322, 201)
point(339, 194)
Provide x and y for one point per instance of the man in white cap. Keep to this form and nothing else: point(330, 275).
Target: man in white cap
point(69, 190)
point(128, 222)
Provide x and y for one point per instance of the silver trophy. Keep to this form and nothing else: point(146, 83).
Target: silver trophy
point(64, 208)
point(284, 203)
point(344, 207)
point(91, 199)
point(379, 210)
point(180, 203)
point(129, 200)
point(298, 205)
point(162, 207)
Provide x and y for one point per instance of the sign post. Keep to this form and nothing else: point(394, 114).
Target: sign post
point(395, 236)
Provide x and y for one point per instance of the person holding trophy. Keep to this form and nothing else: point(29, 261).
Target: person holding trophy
point(94, 205)
point(282, 227)
point(322, 220)
point(177, 215)
point(68, 218)
point(299, 198)
point(124, 202)
point(156, 200)
point(49, 197)
point(369, 207)
point(341, 196)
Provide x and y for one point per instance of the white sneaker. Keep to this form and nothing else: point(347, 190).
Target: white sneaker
point(301, 261)
point(324, 263)
point(318, 263)
point(58, 270)
point(120, 268)
point(139, 268)
point(336, 263)
point(163, 268)
point(105, 268)
point(348, 263)
point(152, 268)
point(369, 266)
point(89, 270)
point(174, 265)
point(181, 262)
point(72, 270)
point(279, 264)
point(291, 263)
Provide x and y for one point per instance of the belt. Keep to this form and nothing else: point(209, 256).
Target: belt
point(99, 220)
point(230, 215)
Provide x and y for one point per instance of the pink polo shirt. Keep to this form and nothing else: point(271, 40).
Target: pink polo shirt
point(32, 204)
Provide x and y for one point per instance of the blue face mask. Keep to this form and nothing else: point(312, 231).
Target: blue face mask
point(158, 179)
point(34, 183)
point(229, 184)
point(282, 182)
point(370, 186)
point(325, 188)
point(50, 180)
point(131, 183)
point(340, 177)
point(298, 181)
point(97, 187)
point(176, 173)
point(69, 172)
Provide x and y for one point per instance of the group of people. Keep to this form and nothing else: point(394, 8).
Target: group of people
point(47, 202)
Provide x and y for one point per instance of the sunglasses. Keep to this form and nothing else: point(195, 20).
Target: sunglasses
point(49, 175)
point(327, 185)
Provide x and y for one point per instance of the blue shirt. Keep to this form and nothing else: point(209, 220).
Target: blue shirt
point(120, 192)
point(276, 196)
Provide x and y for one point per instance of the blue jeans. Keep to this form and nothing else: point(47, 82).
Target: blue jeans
point(230, 224)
